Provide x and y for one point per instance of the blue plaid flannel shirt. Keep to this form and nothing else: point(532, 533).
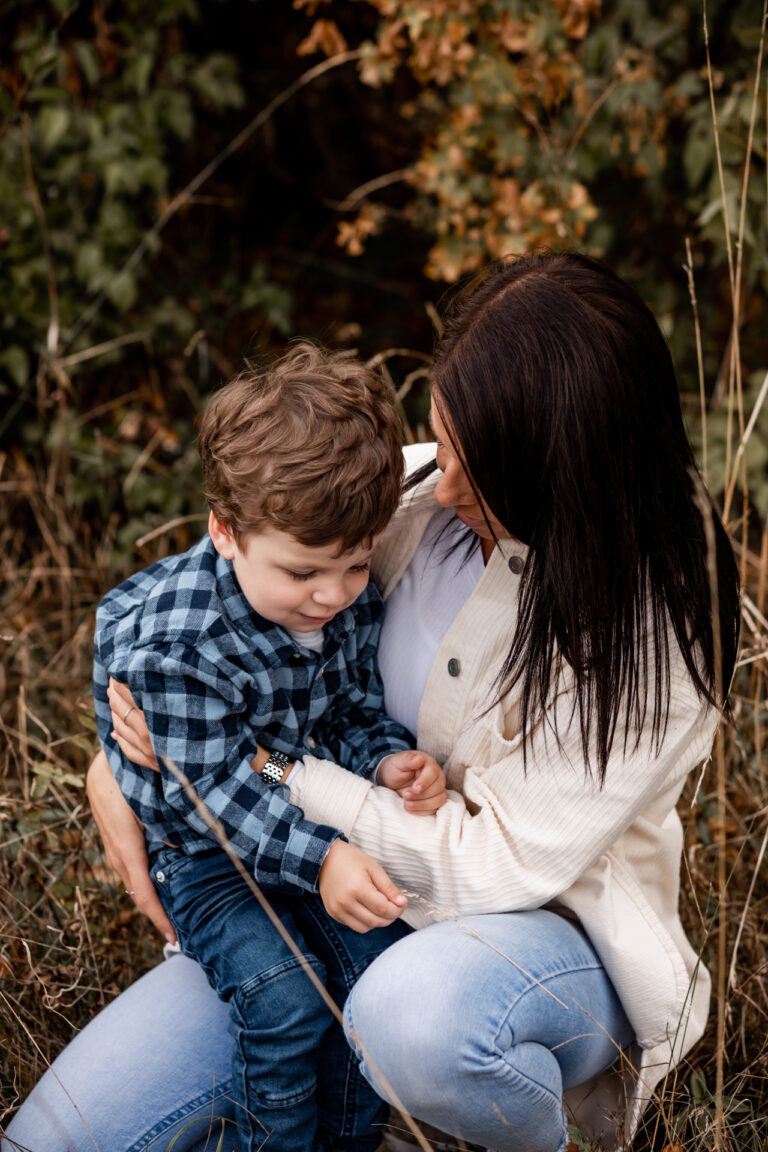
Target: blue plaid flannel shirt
point(213, 679)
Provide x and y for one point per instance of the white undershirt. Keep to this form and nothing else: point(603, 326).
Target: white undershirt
point(421, 609)
point(311, 640)
point(433, 590)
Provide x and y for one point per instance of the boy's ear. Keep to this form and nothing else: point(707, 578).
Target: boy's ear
point(223, 540)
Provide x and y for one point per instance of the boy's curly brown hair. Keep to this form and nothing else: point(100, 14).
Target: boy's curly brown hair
point(311, 446)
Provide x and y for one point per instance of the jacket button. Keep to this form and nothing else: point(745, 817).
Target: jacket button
point(160, 877)
point(454, 667)
point(311, 742)
point(516, 564)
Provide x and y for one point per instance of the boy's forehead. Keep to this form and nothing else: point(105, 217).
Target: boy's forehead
point(283, 545)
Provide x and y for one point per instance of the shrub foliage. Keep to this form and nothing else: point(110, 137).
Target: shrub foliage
point(186, 180)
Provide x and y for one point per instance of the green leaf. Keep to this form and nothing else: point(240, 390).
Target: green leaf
point(140, 71)
point(85, 55)
point(123, 291)
point(52, 125)
point(16, 362)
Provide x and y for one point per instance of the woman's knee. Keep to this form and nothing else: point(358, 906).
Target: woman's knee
point(408, 1001)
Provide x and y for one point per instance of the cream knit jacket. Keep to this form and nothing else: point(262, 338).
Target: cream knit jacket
point(508, 840)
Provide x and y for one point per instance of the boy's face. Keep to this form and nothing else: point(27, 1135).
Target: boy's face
point(289, 583)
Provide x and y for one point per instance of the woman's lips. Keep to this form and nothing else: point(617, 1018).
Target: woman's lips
point(472, 522)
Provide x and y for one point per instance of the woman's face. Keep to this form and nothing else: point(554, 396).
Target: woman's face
point(454, 489)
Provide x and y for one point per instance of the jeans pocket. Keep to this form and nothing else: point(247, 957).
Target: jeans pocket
point(167, 866)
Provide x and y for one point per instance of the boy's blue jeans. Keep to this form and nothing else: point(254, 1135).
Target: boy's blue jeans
point(297, 1084)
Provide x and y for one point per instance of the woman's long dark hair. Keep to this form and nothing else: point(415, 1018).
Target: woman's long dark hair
point(559, 389)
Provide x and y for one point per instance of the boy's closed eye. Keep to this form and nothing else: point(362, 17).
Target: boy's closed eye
point(308, 575)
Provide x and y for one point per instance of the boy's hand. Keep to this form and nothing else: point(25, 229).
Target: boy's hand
point(356, 890)
point(417, 777)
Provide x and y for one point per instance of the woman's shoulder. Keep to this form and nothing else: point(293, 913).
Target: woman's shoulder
point(399, 541)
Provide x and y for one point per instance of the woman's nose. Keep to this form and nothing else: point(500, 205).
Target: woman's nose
point(453, 488)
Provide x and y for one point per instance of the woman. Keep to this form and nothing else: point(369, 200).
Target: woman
point(549, 631)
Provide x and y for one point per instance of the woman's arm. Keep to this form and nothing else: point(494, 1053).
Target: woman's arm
point(518, 835)
point(124, 843)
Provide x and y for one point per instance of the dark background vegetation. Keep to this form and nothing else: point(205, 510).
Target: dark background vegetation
point(430, 138)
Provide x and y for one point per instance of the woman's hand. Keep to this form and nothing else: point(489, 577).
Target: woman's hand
point(124, 843)
point(129, 727)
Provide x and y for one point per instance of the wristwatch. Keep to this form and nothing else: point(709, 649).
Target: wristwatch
point(274, 768)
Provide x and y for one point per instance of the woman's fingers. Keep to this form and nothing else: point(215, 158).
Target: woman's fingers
point(129, 727)
point(425, 807)
point(120, 699)
point(139, 886)
point(124, 843)
point(135, 745)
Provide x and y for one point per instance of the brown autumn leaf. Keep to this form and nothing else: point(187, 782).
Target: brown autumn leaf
point(324, 37)
point(575, 16)
point(352, 234)
point(513, 34)
point(309, 6)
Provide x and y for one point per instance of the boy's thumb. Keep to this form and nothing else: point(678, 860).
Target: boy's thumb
point(388, 889)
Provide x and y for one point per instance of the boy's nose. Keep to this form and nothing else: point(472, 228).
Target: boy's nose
point(330, 595)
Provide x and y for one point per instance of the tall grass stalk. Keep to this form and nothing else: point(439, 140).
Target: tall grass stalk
point(70, 940)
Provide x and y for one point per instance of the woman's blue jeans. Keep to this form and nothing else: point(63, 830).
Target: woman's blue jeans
point(297, 1084)
point(468, 1041)
point(479, 1027)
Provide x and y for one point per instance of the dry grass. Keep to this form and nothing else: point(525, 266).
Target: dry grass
point(69, 940)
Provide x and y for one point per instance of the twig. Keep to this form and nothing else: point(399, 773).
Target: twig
point(699, 353)
point(734, 352)
point(81, 907)
point(142, 459)
point(185, 195)
point(169, 526)
point(745, 909)
point(736, 281)
point(51, 1069)
point(52, 336)
point(388, 353)
point(101, 349)
point(745, 437)
point(218, 830)
point(704, 505)
point(353, 198)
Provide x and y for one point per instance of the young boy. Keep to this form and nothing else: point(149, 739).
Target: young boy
point(264, 636)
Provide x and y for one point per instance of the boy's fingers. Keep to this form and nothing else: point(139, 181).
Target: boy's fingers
point(435, 788)
point(425, 791)
point(386, 889)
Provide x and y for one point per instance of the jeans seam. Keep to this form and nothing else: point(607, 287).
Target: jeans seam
point(347, 965)
point(179, 1113)
point(542, 983)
